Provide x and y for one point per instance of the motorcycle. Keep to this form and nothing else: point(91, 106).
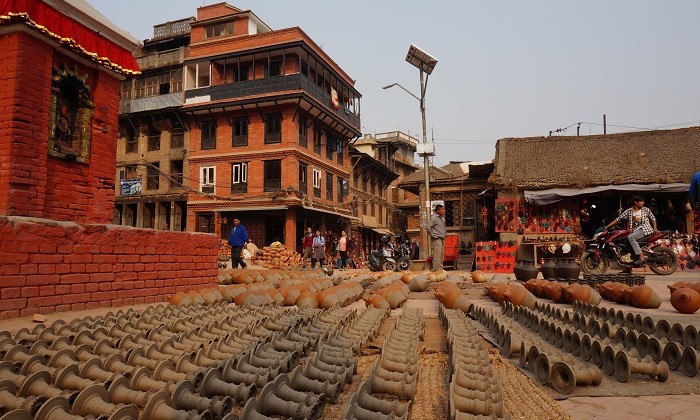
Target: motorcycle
point(612, 245)
point(402, 255)
point(382, 258)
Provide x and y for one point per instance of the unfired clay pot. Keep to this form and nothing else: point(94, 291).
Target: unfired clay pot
point(685, 300)
point(643, 297)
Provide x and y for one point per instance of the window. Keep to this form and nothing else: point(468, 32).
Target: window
point(372, 187)
point(239, 178)
point(240, 132)
point(274, 68)
point(273, 128)
point(451, 213)
point(127, 86)
point(317, 183)
point(303, 177)
point(153, 139)
point(153, 176)
point(371, 210)
point(139, 88)
point(176, 81)
point(329, 186)
point(340, 149)
point(304, 68)
point(208, 135)
point(177, 140)
point(342, 185)
point(130, 172)
point(318, 132)
point(380, 216)
point(219, 29)
point(394, 194)
point(176, 173)
point(152, 87)
point(132, 140)
point(198, 75)
point(330, 145)
point(273, 175)
point(241, 73)
point(207, 179)
point(303, 130)
point(364, 207)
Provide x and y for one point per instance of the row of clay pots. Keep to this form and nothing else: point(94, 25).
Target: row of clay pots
point(391, 296)
point(641, 296)
point(394, 373)
point(684, 335)
point(246, 276)
point(583, 339)
point(255, 356)
point(473, 388)
point(342, 294)
point(625, 278)
point(451, 296)
point(561, 292)
point(513, 293)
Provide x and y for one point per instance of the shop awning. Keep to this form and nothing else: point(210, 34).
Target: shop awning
point(552, 195)
point(382, 231)
point(331, 212)
point(260, 208)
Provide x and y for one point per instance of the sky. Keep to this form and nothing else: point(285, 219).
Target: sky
point(507, 68)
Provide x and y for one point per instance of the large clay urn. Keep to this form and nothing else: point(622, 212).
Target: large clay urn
point(518, 270)
point(583, 293)
point(547, 268)
point(685, 300)
point(567, 268)
point(495, 291)
point(556, 291)
point(643, 297)
point(529, 271)
point(518, 295)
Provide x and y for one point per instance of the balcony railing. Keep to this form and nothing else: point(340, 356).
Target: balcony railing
point(270, 85)
point(176, 27)
point(151, 103)
point(161, 59)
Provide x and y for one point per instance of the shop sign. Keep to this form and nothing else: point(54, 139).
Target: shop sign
point(130, 186)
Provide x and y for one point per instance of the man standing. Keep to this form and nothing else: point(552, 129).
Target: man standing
point(640, 222)
point(307, 244)
point(319, 250)
point(437, 231)
point(694, 191)
point(237, 239)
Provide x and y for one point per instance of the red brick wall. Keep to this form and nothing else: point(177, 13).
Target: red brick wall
point(32, 183)
point(48, 266)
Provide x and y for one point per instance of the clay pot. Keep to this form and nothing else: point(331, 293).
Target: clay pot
point(528, 270)
point(495, 291)
point(677, 285)
point(643, 297)
point(479, 276)
point(518, 295)
point(583, 293)
point(567, 268)
point(179, 298)
point(547, 268)
point(377, 301)
point(685, 300)
point(556, 291)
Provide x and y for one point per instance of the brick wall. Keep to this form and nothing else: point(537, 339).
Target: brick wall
point(48, 266)
point(32, 183)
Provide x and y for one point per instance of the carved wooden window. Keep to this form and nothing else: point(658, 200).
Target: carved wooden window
point(70, 115)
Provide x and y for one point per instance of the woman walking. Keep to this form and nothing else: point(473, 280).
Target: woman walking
point(319, 250)
point(343, 250)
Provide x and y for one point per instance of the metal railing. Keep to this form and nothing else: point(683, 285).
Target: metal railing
point(271, 85)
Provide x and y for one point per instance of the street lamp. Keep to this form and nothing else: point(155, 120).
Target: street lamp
point(426, 64)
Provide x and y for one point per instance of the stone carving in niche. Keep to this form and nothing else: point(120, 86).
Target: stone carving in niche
point(70, 115)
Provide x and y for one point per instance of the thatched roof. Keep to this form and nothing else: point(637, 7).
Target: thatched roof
point(645, 157)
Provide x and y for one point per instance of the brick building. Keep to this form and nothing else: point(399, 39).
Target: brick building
point(62, 63)
point(379, 163)
point(271, 116)
point(154, 135)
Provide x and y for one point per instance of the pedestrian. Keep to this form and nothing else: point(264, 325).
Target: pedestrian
point(437, 231)
point(640, 222)
point(415, 250)
point(343, 245)
point(319, 249)
point(307, 244)
point(237, 239)
point(694, 191)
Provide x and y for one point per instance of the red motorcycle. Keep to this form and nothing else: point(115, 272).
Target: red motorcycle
point(612, 245)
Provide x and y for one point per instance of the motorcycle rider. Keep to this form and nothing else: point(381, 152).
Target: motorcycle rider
point(640, 222)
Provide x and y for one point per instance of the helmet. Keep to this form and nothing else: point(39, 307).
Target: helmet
point(386, 238)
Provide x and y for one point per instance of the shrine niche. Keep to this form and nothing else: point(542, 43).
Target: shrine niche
point(70, 115)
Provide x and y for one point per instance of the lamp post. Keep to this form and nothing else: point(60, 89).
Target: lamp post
point(426, 64)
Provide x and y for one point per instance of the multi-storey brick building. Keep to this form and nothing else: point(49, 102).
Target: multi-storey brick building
point(380, 162)
point(153, 135)
point(271, 116)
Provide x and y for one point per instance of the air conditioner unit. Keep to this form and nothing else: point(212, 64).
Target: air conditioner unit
point(208, 189)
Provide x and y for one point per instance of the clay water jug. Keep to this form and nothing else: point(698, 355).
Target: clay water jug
point(495, 291)
point(685, 300)
point(643, 297)
point(518, 295)
point(529, 271)
point(518, 270)
point(547, 268)
point(677, 285)
point(555, 291)
point(583, 293)
point(567, 269)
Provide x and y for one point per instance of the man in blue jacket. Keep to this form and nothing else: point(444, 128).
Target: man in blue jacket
point(237, 239)
point(694, 191)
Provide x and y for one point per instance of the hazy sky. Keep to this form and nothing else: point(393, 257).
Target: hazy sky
point(506, 68)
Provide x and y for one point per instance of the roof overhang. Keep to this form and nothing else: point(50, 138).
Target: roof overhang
point(552, 195)
point(331, 212)
point(258, 208)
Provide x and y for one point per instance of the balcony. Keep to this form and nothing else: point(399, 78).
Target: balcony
point(239, 90)
point(161, 59)
point(150, 103)
point(176, 27)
